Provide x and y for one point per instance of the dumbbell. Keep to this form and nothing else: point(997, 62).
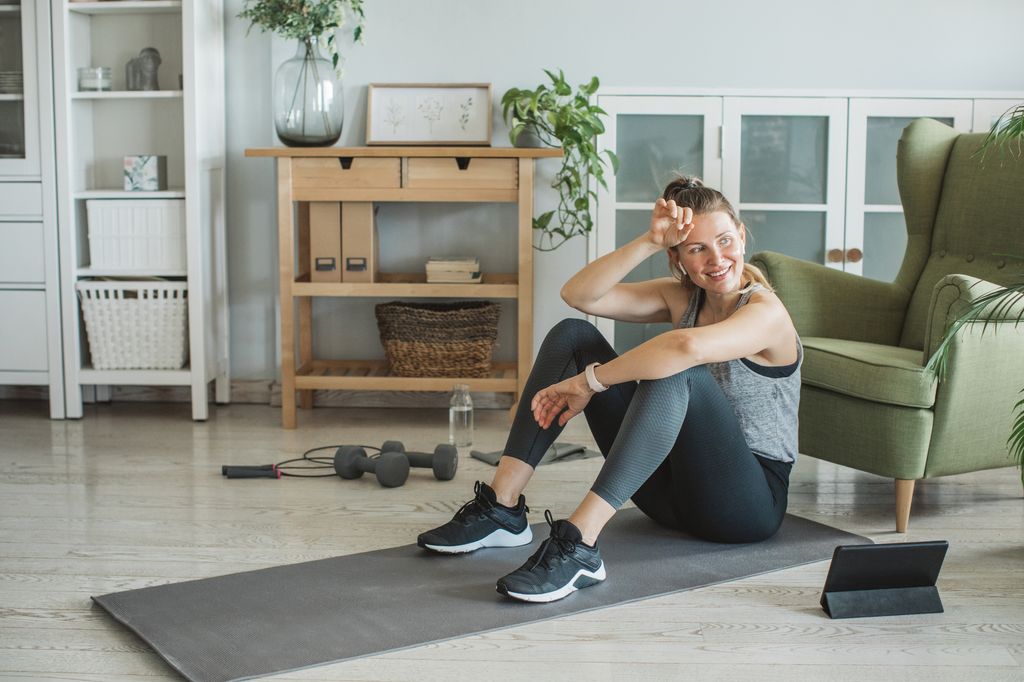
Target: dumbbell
point(444, 460)
point(390, 468)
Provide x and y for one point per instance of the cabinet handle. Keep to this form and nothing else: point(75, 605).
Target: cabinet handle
point(835, 255)
point(854, 255)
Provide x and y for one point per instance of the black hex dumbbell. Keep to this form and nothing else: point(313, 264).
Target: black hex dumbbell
point(390, 468)
point(444, 461)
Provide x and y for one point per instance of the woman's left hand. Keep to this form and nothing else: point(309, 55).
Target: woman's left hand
point(564, 400)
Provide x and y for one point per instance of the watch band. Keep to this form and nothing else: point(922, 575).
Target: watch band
point(595, 385)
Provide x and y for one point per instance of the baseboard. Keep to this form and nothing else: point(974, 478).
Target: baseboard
point(263, 392)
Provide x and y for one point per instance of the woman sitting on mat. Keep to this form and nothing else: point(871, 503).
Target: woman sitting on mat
point(698, 425)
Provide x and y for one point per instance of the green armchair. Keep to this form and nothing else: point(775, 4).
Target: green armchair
point(867, 400)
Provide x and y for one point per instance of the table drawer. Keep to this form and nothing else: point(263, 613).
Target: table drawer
point(455, 173)
point(23, 318)
point(21, 258)
point(331, 173)
point(21, 199)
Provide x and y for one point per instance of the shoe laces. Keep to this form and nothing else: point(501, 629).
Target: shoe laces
point(479, 506)
point(555, 547)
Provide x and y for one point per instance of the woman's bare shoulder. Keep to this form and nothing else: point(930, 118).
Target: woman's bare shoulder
point(676, 296)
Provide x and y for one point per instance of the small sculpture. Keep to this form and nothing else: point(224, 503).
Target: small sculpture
point(140, 72)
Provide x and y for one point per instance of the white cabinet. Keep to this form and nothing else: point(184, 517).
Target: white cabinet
point(24, 41)
point(876, 237)
point(784, 167)
point(30, 340)
point(812, 176)
point(182, 120)
point(656, 139)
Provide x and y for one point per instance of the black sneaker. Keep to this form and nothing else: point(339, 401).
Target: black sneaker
point(562, 565)
point(481, 522)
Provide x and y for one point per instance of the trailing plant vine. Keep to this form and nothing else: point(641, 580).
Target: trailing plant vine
point(560, 117)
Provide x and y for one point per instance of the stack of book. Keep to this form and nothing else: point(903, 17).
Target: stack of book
point(464, 269)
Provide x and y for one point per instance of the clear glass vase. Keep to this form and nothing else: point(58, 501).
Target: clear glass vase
point(309, 106)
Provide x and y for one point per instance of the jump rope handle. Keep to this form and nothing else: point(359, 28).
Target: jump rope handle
point(261, 471)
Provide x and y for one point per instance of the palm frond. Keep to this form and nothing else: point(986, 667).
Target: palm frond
point(1007, 134)
point(1016, 440)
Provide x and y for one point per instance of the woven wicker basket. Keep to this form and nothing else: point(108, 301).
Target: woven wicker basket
point(135, 325)
point(438, 339)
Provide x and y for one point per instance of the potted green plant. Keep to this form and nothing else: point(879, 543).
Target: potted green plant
point(560, 117)
point(1007, 134)
point(309, 103)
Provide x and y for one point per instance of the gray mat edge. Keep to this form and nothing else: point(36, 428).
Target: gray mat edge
point(177, 669)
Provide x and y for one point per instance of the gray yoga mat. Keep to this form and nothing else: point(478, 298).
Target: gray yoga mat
point(272, 620)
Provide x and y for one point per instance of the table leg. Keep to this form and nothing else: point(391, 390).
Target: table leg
point(286, 266)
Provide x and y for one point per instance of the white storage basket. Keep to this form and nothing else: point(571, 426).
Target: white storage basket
point(136, 234)
point(136, 325)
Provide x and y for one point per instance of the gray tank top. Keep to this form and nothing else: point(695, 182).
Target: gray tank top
point(766, 399)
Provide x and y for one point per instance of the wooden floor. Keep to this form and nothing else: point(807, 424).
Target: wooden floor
point(131, 496)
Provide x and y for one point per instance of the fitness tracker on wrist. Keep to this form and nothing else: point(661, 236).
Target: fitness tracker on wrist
point(595, 385)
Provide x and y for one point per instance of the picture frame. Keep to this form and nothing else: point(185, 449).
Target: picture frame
point(428, 114)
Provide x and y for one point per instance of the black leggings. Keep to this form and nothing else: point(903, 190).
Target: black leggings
point(673, 445)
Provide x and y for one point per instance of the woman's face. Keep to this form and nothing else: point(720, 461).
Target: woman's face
point(712, 254)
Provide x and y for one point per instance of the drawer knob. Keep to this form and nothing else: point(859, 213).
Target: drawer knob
point(835, 255)
point(463, 162)
point(345, 161)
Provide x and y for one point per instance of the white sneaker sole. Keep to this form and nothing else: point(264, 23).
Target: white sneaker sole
point(562, 592)
point(499, 538)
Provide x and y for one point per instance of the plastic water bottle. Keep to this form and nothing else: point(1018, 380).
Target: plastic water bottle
point(460, 417)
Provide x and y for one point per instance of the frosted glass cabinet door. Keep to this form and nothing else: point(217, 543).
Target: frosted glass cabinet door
point(876, 235)
point(784, 170)
point(18, 132)
point(655, 138)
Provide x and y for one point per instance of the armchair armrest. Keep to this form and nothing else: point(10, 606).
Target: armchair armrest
point(835, 304)
point(983, 377)
point(953, 295)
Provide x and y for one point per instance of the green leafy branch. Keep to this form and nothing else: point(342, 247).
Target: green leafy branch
point(561, 117)
point(306, 20)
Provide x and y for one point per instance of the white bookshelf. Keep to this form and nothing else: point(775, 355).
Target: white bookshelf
point(183, 121)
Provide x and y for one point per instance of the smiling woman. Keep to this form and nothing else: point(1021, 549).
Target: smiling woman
point(703, 413)
point(728, 238)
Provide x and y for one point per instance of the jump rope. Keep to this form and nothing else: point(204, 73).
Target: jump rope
point(308, 463)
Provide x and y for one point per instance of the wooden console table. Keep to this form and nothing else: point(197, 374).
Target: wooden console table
point(385, 174)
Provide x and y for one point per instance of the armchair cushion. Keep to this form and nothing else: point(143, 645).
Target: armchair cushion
point(870, 371)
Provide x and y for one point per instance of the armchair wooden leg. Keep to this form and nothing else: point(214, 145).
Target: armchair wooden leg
point(904, 496)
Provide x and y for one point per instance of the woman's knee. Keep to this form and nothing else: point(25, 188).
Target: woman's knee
point(570, 332)
point(670, 384)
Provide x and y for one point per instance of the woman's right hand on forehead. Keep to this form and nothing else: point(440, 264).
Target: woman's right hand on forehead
point(670, 224)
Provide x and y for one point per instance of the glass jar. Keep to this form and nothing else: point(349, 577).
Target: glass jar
point(309, 106)
point(460, 417)
point(94, 78)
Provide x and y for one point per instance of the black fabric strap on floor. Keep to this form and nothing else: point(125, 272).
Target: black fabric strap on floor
point(273, 620)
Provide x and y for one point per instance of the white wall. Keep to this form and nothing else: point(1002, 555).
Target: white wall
point(896, 45)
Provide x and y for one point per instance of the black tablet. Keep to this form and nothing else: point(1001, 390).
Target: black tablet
point(890, 579)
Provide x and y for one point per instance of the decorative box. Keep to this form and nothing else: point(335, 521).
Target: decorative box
point(145, 172)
